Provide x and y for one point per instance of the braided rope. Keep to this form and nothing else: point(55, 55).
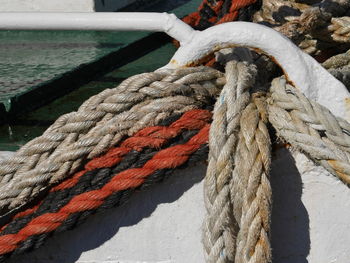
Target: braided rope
point(219, 224)
point(176, 92)
point(311, 128)
point(87, 202)
point(251, 193)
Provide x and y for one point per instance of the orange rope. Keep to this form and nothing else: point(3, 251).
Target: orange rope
point(165, 159)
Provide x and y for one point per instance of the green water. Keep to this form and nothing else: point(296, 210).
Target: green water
point(28, 58)
point(60, 52)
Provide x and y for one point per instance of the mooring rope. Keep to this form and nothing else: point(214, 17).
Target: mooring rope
point(339, 67)
point(104, 184)
point(251, 186)
point(219, 228)
point(237, 188)
point(316, 28)
point(213, 12)
point(138, 103)
point(311, 128)
point(134, 135)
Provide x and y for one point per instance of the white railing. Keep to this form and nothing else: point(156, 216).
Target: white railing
point(113, 21)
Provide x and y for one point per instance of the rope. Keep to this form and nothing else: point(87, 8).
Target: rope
point(237, 188)
point(128, 151)
point(219, 224)
point(251, 186)
point(77, 164)
point(114, 192)
point(317, 29)
point(340, 29)
point(311, 128)
point(174, 92)
point(339, 67)
point(212, 12)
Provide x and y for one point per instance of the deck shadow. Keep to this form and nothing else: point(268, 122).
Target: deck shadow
point(99, 228)
point(290, 235)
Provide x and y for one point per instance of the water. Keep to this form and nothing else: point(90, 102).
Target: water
point(28, 58)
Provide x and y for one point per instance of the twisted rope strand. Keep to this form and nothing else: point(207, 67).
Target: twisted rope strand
point(340, 29)
point(219, 228)
point(116, 199)
point(339, 67)
point(128, 179)
point(311, 128)
point(211, 12)
point(94, 180)
point(24, 186)
point(316, 29)
point(151, 137)
point(251, 185)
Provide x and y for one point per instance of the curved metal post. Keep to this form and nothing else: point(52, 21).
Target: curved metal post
point(300, 68)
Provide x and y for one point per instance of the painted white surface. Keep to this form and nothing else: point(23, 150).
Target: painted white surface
point(47, 5)
point(119, 21)
point(310, 221)
point(300, 68)
point(5, 155)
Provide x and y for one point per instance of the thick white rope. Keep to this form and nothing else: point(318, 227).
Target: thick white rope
point(220, 226)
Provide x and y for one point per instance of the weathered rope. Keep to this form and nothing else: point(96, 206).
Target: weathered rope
point(212, 12)
point(311, 128)
point(321, 27)
point(251, 190)
point(219, 228)
point(113, 192)
point(128, 151)
point(340, 29)
point(173, 92)
point(339, 67)
point(155, 137)
point(237, 189)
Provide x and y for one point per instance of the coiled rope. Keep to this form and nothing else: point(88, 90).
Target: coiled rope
point(96, 157)
point(237, 185)
point(319, 28)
